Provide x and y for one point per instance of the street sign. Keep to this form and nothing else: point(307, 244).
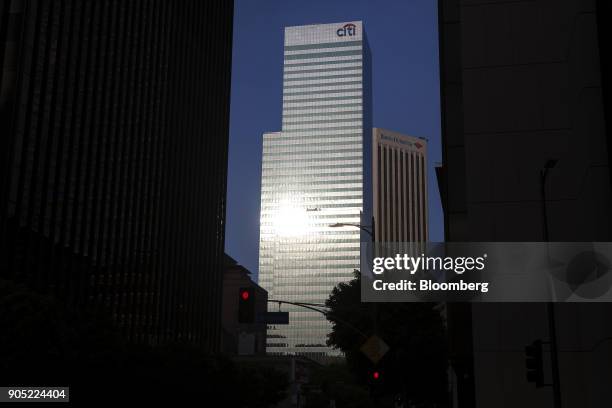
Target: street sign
point(374, 348)
point(273, 318)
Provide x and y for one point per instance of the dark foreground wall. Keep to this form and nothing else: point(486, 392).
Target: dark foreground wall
point(523, 82)
point(114, 130)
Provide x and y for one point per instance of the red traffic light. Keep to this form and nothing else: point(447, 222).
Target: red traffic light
point(376, 375)
point(246, 305)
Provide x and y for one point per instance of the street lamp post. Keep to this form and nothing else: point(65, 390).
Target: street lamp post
point(366, 228)
point(554, 357)
point(550, 164)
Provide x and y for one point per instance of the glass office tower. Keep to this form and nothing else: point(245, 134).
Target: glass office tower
point(316, 173)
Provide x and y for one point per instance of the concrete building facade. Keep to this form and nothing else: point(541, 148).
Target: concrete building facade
point(242, 338)
point(399, 176)
point(522, 83)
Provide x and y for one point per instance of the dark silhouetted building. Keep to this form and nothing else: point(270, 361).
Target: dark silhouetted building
point(114, 131)
point(242, 338)
point(523, 82)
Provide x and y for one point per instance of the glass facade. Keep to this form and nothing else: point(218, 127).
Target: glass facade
point(315, 173)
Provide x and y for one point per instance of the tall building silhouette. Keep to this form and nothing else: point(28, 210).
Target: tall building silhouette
point(114, 122)
point(523, 83)
point(316, 173)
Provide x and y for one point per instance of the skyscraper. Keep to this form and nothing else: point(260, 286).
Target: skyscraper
point(315, 173)
point(114, 118)
point(399, 170)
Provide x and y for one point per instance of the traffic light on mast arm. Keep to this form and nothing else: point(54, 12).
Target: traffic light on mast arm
point(534, 363)
point(246, 305)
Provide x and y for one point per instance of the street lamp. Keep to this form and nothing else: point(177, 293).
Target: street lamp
point(367, 228)
point(550, 164)
point(554, 357)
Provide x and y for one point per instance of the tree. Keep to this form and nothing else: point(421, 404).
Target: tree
point(416, 364)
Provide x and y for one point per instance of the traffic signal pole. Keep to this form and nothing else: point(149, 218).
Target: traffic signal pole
point(554, 357)
point(552, 327)
point(315, 307)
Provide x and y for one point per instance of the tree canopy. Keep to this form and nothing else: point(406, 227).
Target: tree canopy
point(415, 365)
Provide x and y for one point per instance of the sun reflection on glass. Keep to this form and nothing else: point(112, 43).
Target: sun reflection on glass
point(291, 220)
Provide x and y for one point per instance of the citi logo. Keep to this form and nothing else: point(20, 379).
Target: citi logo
point(348, 29)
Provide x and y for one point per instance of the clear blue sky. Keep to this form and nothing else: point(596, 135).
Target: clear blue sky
point(403, 39)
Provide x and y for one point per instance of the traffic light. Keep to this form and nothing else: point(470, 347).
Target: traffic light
point(534, 363)
point(246, 305)
point(376, 382)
